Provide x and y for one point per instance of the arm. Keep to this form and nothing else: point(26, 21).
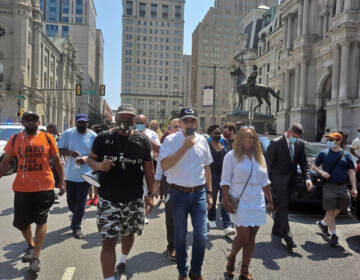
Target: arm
point(4, 164)
point(352, 151)
point(154, 146)
point(59, 168)
point(318, 161)
point(171, 160)
point(304, 165)
point(66, 152)
point(149, 178)
point(96, 165)
point(270, 156)
point(208, 179)
point(352, 178)
point(226, 201)
point(267, 192)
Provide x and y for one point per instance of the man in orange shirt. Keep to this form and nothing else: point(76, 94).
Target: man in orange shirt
point(34, 182)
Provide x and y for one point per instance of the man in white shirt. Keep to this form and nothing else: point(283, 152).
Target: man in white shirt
point(186, 157)
point(141, 122)
point(355, 146)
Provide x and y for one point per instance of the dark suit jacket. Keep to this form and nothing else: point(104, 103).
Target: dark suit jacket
point(282, 172)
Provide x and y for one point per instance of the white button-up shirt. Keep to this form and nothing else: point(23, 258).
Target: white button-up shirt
point(189, 170)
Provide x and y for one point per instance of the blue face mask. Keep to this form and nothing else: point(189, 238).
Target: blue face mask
point(140, 127)
point(292, 139)
point(331, 144)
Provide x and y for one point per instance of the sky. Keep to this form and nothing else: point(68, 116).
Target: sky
point(109, 20)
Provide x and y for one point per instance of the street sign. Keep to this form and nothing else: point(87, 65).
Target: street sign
point(20, 96)
point(89, 92)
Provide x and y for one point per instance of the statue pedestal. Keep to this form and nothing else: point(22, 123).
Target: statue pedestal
point(261, 121)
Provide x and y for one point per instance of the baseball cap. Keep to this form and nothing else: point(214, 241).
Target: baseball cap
point(188, 112)
point(82, 118)
point(126, 109)
point(334, 135)
point(28, 114)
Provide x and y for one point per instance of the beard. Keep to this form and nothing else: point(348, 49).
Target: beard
point(81, 129)
point(31, 130)
point(125, 126)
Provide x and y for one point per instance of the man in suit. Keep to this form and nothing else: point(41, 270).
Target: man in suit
point(282, 157)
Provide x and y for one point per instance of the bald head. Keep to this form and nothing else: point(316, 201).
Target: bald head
point(174, 122)
point(140, 119)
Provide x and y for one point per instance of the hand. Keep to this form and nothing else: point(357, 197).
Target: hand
point(228, 207)
point(74, 154)
point(61, 187)
point(309, 185)
point(81, 160)
point(149, 204)
point(189, 142)
point(209, 201)
point(270, 206)
point(354, 192)
point(325, 175)
point(106, 165)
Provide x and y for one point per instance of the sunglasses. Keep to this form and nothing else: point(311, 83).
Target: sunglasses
point(216, 134)
point(176, 127)
point(188, 120)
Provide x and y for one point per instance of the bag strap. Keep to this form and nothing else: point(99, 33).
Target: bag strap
point(247, 181)
point(13, 140)
point(336, 162)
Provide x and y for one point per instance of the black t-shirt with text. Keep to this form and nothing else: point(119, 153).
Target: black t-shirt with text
point(124, 182)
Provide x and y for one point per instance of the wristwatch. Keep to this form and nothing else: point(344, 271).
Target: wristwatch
point(208, 192)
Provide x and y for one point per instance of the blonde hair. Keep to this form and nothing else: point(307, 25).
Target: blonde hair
point(256, 149)
point(158, 131)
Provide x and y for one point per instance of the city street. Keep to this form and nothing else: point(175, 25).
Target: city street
point(65, 258)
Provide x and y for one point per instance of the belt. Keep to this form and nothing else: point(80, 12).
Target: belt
point(186, 189)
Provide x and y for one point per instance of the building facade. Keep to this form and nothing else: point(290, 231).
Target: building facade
point(152, 53)
point(31, 64)
point(77, 19)
point(314, 57)
point(186, 79)
point(99, 71)
point(214, 44)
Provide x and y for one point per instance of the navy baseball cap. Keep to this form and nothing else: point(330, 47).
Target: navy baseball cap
point(188, 113)
point(82, 118)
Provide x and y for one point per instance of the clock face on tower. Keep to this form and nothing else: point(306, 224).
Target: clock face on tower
point(2, 32)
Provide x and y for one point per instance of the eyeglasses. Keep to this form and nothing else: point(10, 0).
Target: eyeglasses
point(216, 134)
point(30, 120)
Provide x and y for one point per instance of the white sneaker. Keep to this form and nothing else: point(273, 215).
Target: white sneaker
point(229, 231)
point(146, 221)
point(212, 224)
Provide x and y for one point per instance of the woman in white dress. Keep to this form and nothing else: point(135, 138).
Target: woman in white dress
point(244, 175)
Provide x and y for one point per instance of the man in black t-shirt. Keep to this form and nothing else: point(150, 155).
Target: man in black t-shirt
point(123, 155)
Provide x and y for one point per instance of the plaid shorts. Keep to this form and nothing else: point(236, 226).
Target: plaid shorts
point(115, 219)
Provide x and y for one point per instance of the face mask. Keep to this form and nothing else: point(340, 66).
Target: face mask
point(31, 130)
point(189, 131)
point(331, 144)
point(125, 125)
point(140, 127)
point(216, 138)
point(292, 139)
point(81, 128)
point(154, 129)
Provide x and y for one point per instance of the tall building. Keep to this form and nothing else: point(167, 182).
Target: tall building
point(186, 79)
point(153, 33)
point(76, 18)
point(99, 71)
point(31, 63)
point(214, 44)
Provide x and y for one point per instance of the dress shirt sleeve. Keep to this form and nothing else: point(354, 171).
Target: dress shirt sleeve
point(156, 139)
point(207, 155)
point(227, 170)
point(63, 141)
point(265, 178)
point(164, 150)
point(159, 172)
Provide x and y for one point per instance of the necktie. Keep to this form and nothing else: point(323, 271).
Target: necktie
point(291, 149)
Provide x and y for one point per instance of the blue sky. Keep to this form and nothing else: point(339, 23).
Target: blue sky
point(109, 20)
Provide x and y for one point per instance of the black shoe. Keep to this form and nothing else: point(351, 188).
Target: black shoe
point(35, 264)
point(193, 276)
point(120, 272)
point(290, 244)
point(276, 233)
point(334, 241)
point(78, 234)
point(171, 255)
point(28, 255)
point(324, 229)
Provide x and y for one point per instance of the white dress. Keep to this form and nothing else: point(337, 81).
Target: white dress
point(251, 210)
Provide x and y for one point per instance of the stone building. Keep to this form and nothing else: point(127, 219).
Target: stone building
point(314, 56)
point(152, 53)
point(99, 71)
point(186, 79)
point(214, 44)
point(31, 63)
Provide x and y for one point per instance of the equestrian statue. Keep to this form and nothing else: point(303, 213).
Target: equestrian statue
point(252, 89)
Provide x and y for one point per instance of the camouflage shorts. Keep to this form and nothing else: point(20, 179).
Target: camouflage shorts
point(115, 219)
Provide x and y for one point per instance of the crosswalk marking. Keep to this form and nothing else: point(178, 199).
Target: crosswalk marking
point(69, 273)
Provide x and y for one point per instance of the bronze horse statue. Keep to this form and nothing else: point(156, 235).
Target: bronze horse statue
point(251, 89)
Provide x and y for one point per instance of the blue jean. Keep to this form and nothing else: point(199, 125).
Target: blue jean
point(212, 212)
point(182, 205)
point(76, 194)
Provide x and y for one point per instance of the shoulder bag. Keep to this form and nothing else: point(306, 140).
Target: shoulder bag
point(321, 179)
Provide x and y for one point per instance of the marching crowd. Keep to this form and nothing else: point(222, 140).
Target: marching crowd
point(135, 163)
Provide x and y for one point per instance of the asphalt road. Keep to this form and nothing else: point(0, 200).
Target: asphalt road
point(64, 258)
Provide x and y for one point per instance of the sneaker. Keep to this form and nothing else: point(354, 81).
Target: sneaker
point(28, 255)
point(95, 201)
point(146, 221)
point(78, 234)
point(89, 202)
point(57, 199)
point(120, 272)
point(212, 224)
point(334, 241)
point(229, 231)
point(324, 229)
point(171, 255)
point(35, 264)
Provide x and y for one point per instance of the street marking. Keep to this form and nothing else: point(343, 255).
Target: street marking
point(69, 273)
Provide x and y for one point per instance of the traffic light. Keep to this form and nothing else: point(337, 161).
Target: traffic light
point(102, 90)
point(78, 90)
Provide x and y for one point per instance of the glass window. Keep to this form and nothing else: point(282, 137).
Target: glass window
point(165, 11)
point(129, 8)
point(78, 20)
point(142, 9)
point(178, 12)
point(66, 6)
point(79, 7)
point(154, 10)
point(65, 19)
point(65, 31)
point(52, 10)
point(52, 30)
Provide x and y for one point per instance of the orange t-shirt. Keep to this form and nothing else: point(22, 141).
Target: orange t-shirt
point(33, 154)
